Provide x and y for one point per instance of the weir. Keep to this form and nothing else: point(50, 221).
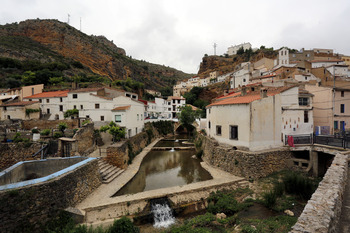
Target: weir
point(163, 215)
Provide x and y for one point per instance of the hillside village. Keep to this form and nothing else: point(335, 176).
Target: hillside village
point(297, 93)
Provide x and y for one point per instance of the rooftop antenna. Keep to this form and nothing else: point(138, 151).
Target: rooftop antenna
point(80, 23)
point(68, 18)
point(215, 49)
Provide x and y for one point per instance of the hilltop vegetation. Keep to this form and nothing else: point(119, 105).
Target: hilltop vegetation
point(54, 52)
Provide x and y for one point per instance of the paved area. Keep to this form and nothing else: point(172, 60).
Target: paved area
point(344, 222)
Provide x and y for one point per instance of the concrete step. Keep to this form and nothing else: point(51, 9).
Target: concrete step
point(106, 176)
point(107, 169)
point(113, 177)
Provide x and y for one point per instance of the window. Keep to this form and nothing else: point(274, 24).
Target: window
point(40, 100)
point(305, 77)
point(306, 117)
point(137, 116)
point(75, 96)
point(48, 111)
point(342, 108)
point(342, 125)
point(81, 107)
point(134, 96)
point(234, 132)
point(118, 118)
point(5, 108)
point(61, 99)
point(97, 106)
point(342, 93)
point(32, 90)
point(102, 118)
point(178, 101)
point(75, 107)
point(218, 130)
point(303, 101)
point(47, 100)
point(209, 125)
point(87, 116)
point(174, 102)
point(61, 108)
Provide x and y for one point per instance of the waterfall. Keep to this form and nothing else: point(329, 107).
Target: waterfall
point(162, 214)
point(172, 149)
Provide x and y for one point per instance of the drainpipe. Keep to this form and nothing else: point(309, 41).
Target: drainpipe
point(333, 107)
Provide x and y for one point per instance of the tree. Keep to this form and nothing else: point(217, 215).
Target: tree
point(187, 116)
point(62, 127)
point(115, 130)
point(28, 78)
point(240, 51)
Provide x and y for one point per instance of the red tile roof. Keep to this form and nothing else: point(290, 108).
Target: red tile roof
point(334, 60)
point(86, 90)
point(49, 94)
point(121, 108)
point(249, 97)
point(103, 97)
point(21, 103)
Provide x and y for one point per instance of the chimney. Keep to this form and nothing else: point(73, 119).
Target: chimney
point(263, 93)
point(225, 92)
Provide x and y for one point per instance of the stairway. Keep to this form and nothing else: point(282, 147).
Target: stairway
point(108, 171)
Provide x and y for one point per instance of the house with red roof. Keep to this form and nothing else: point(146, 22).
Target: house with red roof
point(254, 117)
point(53, 104)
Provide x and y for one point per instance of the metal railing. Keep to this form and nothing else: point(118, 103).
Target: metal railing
point(310, 139)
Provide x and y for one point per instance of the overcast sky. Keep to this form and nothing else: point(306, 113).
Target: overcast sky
point(177, 33)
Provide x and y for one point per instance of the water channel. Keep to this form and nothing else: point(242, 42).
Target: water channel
point(166, 168)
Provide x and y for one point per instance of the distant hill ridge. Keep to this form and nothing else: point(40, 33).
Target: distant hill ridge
point(52, 40)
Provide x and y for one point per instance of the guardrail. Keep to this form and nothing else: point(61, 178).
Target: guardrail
point(329, 140)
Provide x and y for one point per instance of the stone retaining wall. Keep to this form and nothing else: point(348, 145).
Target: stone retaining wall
point(322, 212)
point(27, 209)
point(118, 154)
point(44, 124)
point(12, 153)
point(85, 143)
point(244, 163)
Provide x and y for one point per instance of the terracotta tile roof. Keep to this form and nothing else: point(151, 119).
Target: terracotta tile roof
point(122, 108)
point(21, 103)
point(249, 97)
point(143, 101)
point(49, 94)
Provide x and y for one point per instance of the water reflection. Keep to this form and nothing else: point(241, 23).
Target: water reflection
point(161, 169)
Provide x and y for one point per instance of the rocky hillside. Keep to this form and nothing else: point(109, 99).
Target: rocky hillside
point(225, 64)
point(53, 41)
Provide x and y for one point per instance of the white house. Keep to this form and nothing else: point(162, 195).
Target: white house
point(93, 103)
point(241, 77)
point(233, 49)
point(305, 77)
point(175, 104)
point(53, 104)
point(338, 70)
point(252, 118)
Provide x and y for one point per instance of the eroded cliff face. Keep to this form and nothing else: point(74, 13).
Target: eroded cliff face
point(97, 53)
point(48, 40)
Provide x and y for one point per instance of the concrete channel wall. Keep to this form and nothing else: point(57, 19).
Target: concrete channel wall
point(28, 208)
point(323, 210)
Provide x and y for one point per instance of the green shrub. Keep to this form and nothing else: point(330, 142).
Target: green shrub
point(124, 225)
point(17, 138)
point(58, 134)
point(45, 132)
point(164, 127)
point(35, 131)
point(299, 184)
point(87, 121)
point(62, 126)
point(269, 199)
point(71, 112)
point(278, 189)
point(224, 202)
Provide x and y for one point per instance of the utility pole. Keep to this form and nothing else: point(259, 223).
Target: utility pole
point(80, 23)
point(215, 49)
point(68, 18)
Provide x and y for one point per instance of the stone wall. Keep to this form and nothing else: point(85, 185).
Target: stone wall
point(44, 124)
point(322, 212)
point(85, 141)
point(118, 154)
point(244, 163)
point(12, 153)
point(27, 209)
